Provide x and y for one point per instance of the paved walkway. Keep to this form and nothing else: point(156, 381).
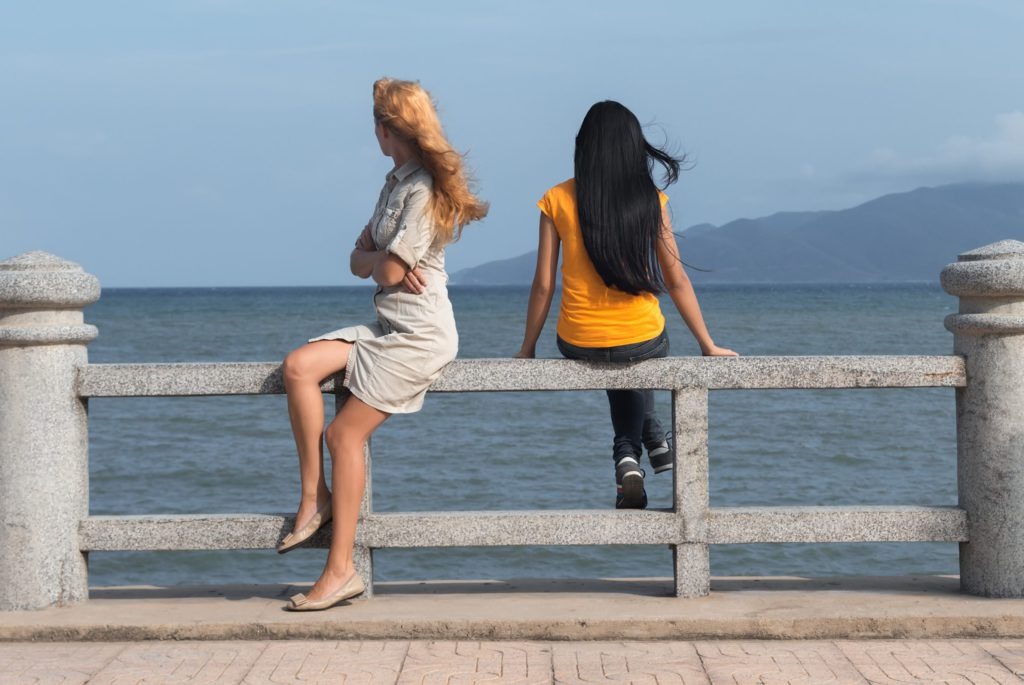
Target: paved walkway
point(524, 663)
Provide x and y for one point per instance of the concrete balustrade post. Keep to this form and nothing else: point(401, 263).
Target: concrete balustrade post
point(44, 479)
point(988, 332)
point(691, 561)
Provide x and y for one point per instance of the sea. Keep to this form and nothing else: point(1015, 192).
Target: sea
point(514, 451)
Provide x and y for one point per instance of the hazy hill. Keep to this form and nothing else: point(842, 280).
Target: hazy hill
point(899, 237)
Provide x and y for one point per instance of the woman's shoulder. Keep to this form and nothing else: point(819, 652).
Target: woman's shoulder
point(421, 178)
point(561, 194)
point(415, 188)
point(557, 199)
point(566, 188)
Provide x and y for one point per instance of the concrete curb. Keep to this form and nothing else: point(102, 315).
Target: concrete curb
point(926, 607)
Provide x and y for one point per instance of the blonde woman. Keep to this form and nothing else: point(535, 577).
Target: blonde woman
point(389, 363)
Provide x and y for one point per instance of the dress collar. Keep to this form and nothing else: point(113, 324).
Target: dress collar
point(403, 172)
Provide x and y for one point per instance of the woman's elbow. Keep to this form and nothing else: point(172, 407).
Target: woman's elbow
point(381, 278)
point(387, 273)
point(677, 280)
point(542, 286)
point(385, 281)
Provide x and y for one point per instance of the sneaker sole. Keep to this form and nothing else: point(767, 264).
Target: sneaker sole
point(632, 491)
point(662, 468)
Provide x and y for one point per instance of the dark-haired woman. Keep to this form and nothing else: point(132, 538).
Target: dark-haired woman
point(620, 253)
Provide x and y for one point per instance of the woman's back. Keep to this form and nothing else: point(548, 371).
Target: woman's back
point(593, 314)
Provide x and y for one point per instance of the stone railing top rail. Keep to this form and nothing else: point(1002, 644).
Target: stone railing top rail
point(501, 375)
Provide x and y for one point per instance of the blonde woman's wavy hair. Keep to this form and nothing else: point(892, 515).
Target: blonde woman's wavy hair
point(408, 111)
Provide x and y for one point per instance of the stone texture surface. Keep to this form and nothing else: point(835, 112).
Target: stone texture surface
point(410, 529)
point(732, 525)
point(696, 372)
point(549, 527)
point(983, 324)
point(362, 559)
point(995, 278)
point(474, 375)
point(727, 525)
point(777, 662)
point(691, 569)
point(990, 463)
point(180, 380)
point(991, 270)
point(1003, 249)
point(362, 663)
point(951, 662)
point(201, 663)
point(472, 662)
point(737, 608)
point(650, 663)
point(197, 531)
point(676, 662)
point(43, 430)
point(40, 280)
point(1009, 653)
point(47, 335)
point(691, 561)
point(67, 663)
point(690, 473)
point(990, 415)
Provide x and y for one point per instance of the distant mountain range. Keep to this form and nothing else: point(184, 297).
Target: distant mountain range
point(895, 238)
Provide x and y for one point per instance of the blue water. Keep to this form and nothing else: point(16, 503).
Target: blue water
point(523, 450)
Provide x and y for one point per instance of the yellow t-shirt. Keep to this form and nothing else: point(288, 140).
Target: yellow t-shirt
point(592, 314)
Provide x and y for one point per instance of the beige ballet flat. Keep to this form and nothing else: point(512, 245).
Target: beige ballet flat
point(353, 587)
point(296, 538)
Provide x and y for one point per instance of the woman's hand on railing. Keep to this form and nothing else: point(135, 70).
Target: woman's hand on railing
point(716, 351)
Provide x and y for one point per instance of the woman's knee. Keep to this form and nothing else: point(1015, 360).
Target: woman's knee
point(339, 437)
point(295, 368)
point(305, 365)
point(315, 361)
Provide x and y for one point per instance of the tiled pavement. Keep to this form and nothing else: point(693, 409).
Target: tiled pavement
point(975, 662)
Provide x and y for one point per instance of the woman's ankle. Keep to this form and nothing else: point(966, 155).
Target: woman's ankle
point(338, 575)
point(315, 497)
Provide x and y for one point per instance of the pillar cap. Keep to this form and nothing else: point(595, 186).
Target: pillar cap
point(40, 280)
point(1004, 249)
point(995, 270)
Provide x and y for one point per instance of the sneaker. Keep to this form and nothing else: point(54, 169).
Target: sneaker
point(629, 479)
point(659, 454)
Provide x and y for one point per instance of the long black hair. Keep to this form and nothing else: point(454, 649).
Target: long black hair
point(617, 198)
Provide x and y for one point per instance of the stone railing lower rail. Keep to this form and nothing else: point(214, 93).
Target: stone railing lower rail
point(46, 381)
point(726, 525)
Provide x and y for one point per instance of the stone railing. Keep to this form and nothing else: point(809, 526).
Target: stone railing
point(46, 531)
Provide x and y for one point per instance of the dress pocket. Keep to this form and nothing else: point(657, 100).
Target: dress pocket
point(387, 227)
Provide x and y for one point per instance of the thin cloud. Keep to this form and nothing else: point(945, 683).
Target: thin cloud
point(999, 157)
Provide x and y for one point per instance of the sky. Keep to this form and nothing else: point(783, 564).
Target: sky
point(230, 142)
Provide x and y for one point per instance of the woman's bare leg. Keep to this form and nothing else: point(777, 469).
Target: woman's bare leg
point(346, 436)
point(303, 369)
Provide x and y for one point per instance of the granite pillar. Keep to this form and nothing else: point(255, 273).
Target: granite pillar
point(44, 478)
point(988, 332)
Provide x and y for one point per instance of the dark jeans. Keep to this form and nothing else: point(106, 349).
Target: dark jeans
point(633, 417)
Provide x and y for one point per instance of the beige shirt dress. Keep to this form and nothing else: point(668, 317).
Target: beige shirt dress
point(395, 358)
